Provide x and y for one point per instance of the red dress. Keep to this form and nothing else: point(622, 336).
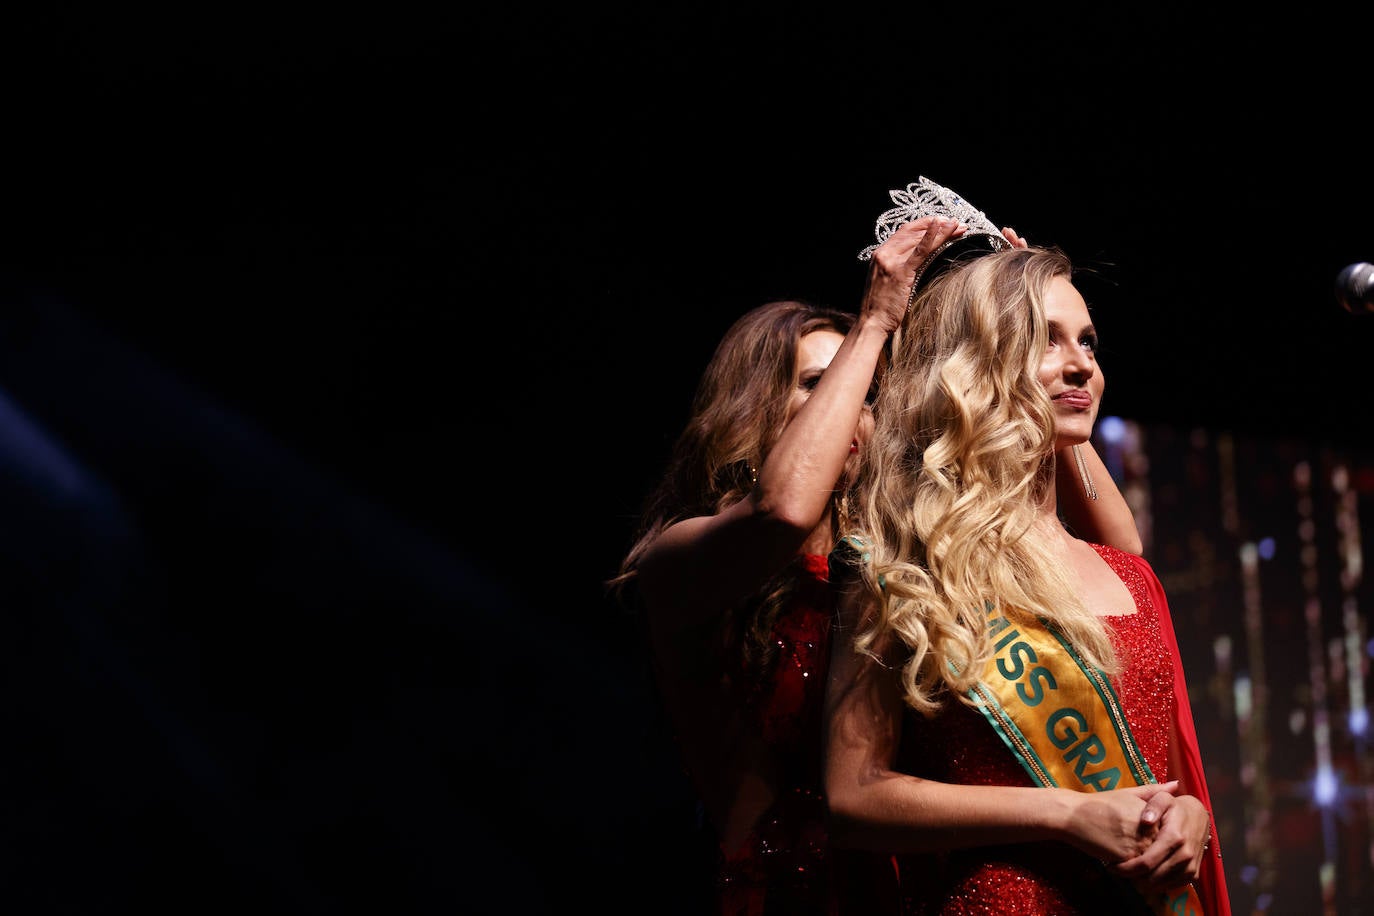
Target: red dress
point(784, 866)
point(1035, 879)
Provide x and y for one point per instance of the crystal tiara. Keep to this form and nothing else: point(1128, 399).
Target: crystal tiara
point(926, 198)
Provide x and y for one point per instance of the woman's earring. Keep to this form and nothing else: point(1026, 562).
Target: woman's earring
point(1088, 488)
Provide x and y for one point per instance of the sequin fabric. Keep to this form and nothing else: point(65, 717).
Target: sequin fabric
point(784, 866)
point(1034, 879)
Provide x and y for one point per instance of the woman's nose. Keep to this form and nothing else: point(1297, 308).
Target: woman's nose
point(1079, 361)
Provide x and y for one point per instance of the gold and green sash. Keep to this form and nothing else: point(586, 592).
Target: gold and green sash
point(1062, 720)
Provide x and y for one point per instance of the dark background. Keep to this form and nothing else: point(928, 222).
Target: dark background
point(337, 350)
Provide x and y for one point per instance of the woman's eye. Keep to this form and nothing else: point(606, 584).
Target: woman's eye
point(1089, 342)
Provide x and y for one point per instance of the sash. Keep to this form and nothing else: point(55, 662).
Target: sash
point(1062, 720)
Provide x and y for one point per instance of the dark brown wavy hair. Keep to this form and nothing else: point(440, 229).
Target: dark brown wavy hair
point(738, 412)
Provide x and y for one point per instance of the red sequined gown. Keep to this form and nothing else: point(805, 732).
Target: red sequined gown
point(1036, 879)
point(785, 866)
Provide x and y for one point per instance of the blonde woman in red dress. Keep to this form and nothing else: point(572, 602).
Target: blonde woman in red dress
point(1007, 713)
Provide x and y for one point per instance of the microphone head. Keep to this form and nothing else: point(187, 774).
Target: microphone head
point(1355, 288)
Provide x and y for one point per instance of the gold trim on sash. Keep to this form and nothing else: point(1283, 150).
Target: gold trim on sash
point(1062, 720)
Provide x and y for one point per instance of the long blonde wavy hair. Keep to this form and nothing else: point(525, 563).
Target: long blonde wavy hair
point(961, 459)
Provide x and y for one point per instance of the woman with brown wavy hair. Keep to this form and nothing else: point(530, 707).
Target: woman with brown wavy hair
point(728, 571)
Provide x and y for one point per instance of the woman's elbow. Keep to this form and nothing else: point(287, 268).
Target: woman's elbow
point(845, 812)
point(790, 512)
point(845, 832)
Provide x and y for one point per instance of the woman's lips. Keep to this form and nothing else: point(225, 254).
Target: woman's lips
point(1079, 399)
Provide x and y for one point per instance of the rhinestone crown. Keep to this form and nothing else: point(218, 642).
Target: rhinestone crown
point(926, 198)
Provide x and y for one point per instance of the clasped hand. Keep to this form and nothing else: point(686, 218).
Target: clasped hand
point(1156, 838)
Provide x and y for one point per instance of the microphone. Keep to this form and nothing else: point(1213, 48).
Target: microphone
point(1355, 287)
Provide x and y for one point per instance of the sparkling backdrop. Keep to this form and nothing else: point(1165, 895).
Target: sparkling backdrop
point(1258, 543)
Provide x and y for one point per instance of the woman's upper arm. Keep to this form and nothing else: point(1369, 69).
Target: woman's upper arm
point(1103, 517)
point(863, 709)
point(700, 566)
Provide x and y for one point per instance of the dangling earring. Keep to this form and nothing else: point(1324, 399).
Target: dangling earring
point(1088, 488)
point(754, 474)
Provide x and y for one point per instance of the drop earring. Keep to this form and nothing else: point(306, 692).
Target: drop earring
point(1088, 489)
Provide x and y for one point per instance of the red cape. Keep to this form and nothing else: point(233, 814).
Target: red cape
point(1211, 884)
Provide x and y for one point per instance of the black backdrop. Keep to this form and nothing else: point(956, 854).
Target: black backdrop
point(339, 348)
